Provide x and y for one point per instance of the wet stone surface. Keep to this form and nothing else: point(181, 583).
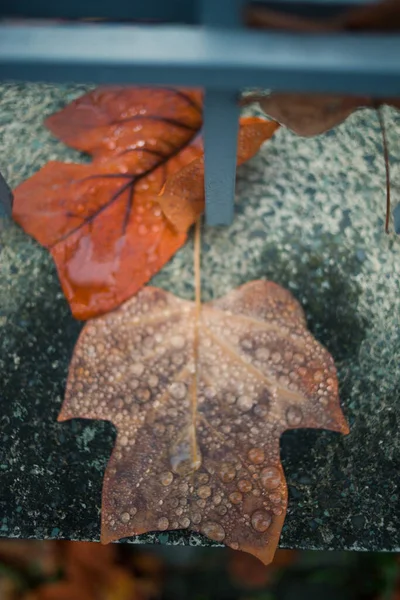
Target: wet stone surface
point(309, 216)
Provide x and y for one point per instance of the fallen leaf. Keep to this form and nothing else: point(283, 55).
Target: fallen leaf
point(105, 234)
point(208, 462)
point(100, 221)
point(308, 114)
point(90, 572)
point(378, 16)
point(313, 114)
point(183, 198)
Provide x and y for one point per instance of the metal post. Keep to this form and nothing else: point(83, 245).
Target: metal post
point(221, 125)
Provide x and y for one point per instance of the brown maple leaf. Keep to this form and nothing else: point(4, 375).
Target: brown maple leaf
point(101, 221)
point(200, 403)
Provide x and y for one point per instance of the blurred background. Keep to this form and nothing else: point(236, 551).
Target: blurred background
point(54, 570)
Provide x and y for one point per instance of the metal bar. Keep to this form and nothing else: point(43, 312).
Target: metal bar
point(221, 119)
point(6, 198)
point(176, 11)
point(223, 13)
point(311, 8)
point(221, 126)
point(195, 56)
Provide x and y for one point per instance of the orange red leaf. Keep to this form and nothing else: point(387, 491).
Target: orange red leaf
point(101, 221)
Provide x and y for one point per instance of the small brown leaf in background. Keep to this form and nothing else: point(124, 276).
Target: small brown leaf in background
point(207, 462)
point(379, 16)
point(313, 114)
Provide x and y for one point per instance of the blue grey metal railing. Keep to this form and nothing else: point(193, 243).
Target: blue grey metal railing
point(206, 48)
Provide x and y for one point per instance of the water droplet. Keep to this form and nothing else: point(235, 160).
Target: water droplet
point(178, 390)
point(203, 478)
point(162, 524)
point(137, 369)
point(185, 522)
point(262, 353)
point(318, 376)
point(196, 518)
point(256, 455)
point(275, 498)
point(235, 497)
point(298, 358)
point(166, 478)
point(245, 403)
point(261, 520)
point(143, 394)
point(125, 517)
point(230, 398)
point(178, 342)
point(244, 485)
point(142, 230)
point(261, 410)
point(277, 510)
point(183, 488)
point(270, 478)
point(276, 357)
point(234, 545)
point(222, 510)
point(185, 455)
point(214, 531)
point(227, 473)
point(153, 380)
point(294, 416)
point(201, 503)
point(123, 440)
point(204, 491)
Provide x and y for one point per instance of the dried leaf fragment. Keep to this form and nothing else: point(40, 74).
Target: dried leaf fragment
point(209, 463)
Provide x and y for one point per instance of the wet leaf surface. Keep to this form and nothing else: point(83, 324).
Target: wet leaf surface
point(105, 233)
point(101, 221)
point(206, 461)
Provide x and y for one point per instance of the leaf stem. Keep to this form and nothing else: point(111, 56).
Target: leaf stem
point(197, 285)
point(387, 165)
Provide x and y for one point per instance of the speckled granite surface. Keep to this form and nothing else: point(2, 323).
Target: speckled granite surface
point(309, 216)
